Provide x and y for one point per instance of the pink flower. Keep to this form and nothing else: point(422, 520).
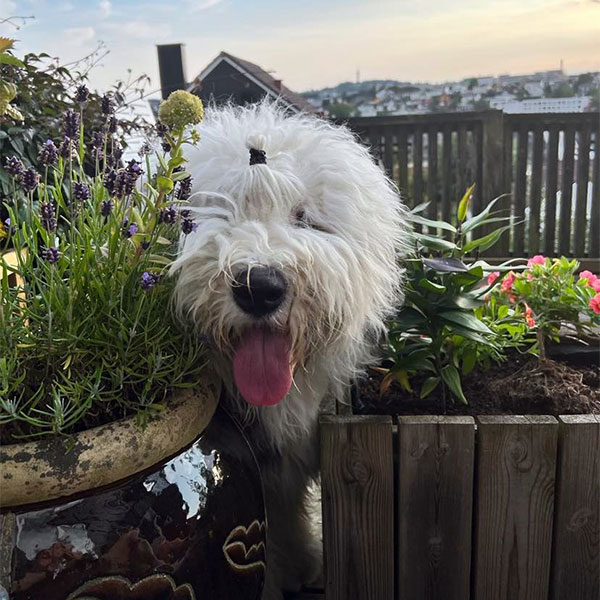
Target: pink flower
point(507, 283)
point(492, 277)
point(529, 276)
point(595, 304)
point(538, 259)
point(589, 276)
point(529, 316)
point(595, 285)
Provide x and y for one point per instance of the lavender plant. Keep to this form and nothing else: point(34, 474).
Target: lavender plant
point(87, 333)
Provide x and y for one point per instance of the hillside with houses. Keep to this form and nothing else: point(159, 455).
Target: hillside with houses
point(542, 92)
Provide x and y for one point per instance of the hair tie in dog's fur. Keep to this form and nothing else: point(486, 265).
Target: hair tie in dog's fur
point(258, 157)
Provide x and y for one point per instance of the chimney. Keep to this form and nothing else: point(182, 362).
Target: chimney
point(170, 68)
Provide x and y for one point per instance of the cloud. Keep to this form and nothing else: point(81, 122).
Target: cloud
point(196, 6)
point(105, 8)
point(78, 36)
point(139, 30)
point(7, 8)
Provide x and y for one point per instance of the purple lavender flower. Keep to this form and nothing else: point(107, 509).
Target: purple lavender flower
point(107, 105)
point(145, 149)
point(109, 181)
point(111, 124)
point(166, 146)
point(11, 230)
point(124, 184)
point(115, 154)
point(184, 189)
point(187, 226)
point(185, 213)
point(66, 148)
point(129, 230)
point(148, 280)
point(48, 216)
point(106, 207)
point(71, 124)
point(82, 94)
point(167, 215)
point(161, 129)
point(134, 169)
point(97, 139)
point(13, 166)
point(145, 245)
point(30, 180)
point(51, 255)
point(48, 154)
point(81, 192)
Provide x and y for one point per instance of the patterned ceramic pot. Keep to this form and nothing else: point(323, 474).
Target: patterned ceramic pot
point(171, 512)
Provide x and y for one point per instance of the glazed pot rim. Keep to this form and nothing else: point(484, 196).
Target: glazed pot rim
point(41, 470)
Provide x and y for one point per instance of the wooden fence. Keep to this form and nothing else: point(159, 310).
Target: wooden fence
point(548, 163)
point(452, 508)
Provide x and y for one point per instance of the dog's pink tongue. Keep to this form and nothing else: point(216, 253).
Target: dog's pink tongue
point(261, 367)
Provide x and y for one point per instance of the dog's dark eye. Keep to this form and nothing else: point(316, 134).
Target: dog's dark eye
point(301, 219)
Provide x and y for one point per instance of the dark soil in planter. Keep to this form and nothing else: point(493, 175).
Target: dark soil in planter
point(520, 385)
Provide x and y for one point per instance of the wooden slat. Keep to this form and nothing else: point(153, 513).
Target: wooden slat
point(461, 151)
point(535, 198)
point(550, 229)
point(583, 176)
point(502, 247)
point(357, 482)
point(594, 251)
point(477, 200)
point(446, 208)
point(576, 551)
point(435, 491)
point(432, 178)
point(417, 166)
point(516, 467)
point(520, 192)
point(566, 189)
point(402, 159)
point(388, 153)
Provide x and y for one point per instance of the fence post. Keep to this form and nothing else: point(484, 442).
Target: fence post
point(357, 481)
point(493, 163)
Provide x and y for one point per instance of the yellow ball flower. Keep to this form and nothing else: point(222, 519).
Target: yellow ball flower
point(181, 109)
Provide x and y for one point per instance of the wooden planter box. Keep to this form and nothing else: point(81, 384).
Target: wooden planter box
point(456, 508)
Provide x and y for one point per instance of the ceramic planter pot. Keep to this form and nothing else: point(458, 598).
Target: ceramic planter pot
point(170, 512)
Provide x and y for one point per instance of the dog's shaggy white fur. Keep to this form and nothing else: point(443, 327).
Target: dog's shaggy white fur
point(322, 213)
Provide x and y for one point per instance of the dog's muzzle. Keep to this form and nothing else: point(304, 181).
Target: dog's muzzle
point(259, 290)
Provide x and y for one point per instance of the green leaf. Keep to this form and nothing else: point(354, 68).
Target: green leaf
point(476, 220)
point(465, 319)
point(431, 223)
point(503, 311)
point(451, 378)
point(430, 286)
point(164, 184)
point(408, 318)
point(446, 265)
point(463, 205)
point(402, 378)
point(180, 175)
point(469, 360)
point(7, 59)
point(428, 386)
point(487, 241)
point(435, 243)
point(420, 208)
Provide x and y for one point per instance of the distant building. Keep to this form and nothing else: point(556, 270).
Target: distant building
point(228, 78)
point(576, 104)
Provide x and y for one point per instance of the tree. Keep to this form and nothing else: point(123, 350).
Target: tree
point(471, 83)
point(595, 103)
point(563, 90)
point(341, 110)
point(481, 104)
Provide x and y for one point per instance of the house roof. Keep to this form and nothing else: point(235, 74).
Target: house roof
point(272, 86)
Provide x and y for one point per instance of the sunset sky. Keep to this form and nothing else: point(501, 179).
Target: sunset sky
point(316, 43)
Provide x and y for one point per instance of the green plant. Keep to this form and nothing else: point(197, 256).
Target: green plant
point(87, 332)
point(442, 329)
point(549, 297)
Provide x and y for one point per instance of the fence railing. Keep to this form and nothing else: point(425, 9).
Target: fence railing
point(452, 508)
point(548, 163)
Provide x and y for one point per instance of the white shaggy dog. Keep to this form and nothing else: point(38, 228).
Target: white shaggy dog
point(290, 273)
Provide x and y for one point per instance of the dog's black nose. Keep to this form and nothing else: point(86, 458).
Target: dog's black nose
point(259, 290)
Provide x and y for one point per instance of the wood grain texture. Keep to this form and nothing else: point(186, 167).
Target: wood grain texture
point(401, 136)
point(502, 247)
point(535, 198)
point(357, 482)
point(583, 175)
point(520, 192)
point(550, 230)
point(432, 175)
point(435, 492)
point(576, 552)
point(446, 208)
point(516, 465)
point(595, 216)
point(417, 167)
point(566, 196)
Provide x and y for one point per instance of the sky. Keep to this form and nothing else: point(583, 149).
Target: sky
point(317, 43)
